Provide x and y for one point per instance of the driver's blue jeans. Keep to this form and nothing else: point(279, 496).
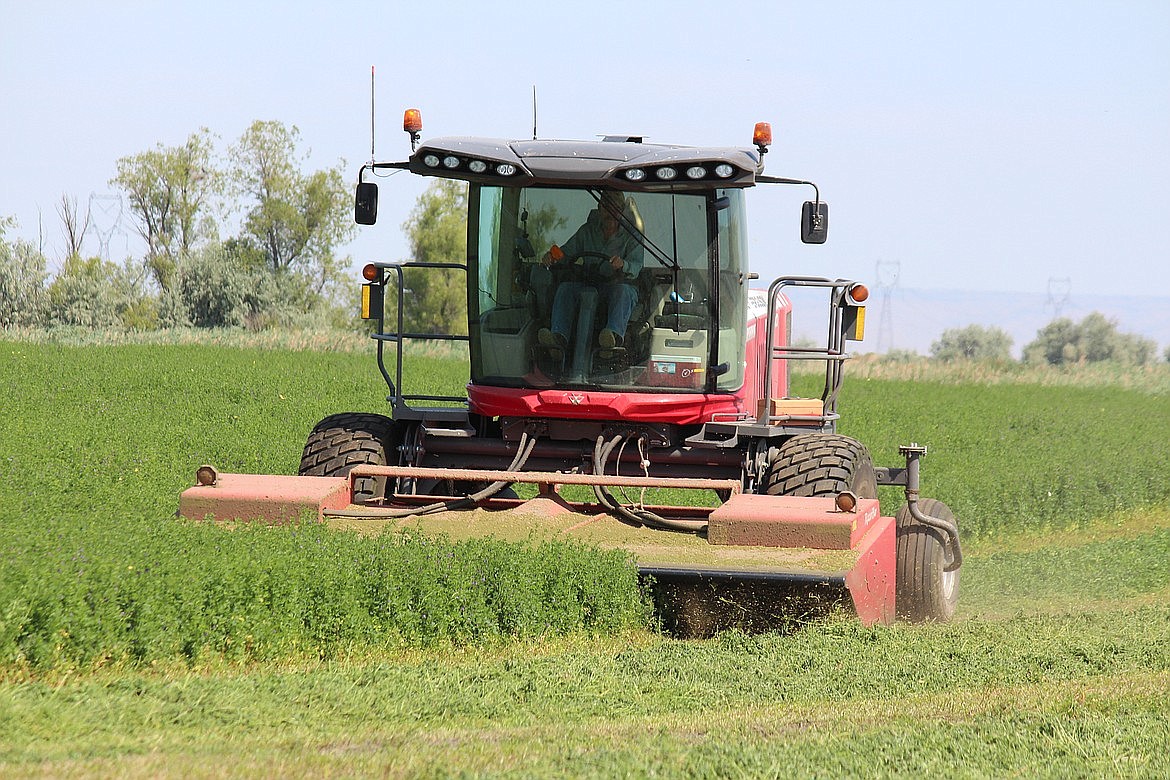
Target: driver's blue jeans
point(580, 300)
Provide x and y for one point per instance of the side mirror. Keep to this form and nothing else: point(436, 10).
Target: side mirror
point(814, 222)
point(365, 204)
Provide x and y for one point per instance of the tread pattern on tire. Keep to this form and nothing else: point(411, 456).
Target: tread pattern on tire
point(342, 441)
point(920, 554)
point(821, 464)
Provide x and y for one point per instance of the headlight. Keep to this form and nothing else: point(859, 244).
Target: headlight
point(477, 166)
point(666, 174)
point(635, 174)
point(432, 160)
point(696, 172)
point(506, 169)
point(450, 161)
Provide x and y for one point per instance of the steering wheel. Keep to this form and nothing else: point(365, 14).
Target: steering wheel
point(588, 273)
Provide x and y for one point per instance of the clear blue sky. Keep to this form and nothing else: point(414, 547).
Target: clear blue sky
point(981, 145)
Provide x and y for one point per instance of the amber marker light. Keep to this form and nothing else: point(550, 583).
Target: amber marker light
point(370, 272)
point(859, 293)
point(762, 136)
point(412, 120)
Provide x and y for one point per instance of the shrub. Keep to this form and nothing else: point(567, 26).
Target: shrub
point(92, 293)
point(1094, 339)
point(211, 289)
point(973, 342)
point(23, 300)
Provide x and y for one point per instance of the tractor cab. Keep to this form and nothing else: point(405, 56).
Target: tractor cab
point(680, 292)
point(613, 266)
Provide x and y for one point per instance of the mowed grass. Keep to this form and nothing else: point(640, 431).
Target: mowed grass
point(1058, 665)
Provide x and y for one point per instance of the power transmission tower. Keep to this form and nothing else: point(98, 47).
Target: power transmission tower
point(105, 219)
point(886, 274)
point(1058, 294)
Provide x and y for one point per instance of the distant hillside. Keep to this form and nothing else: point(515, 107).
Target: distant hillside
point(914, 319)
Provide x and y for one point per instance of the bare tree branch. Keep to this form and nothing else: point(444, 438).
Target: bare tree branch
point(73, 224)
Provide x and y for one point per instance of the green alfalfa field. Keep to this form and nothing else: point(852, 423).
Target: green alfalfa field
point(136, 644)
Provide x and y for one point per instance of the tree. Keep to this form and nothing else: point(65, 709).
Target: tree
point(295, 220)
point(973, 342)
point(171, 191)
point(23, 270)
point(73, 223)
point(437, 231)
point(1094, 339)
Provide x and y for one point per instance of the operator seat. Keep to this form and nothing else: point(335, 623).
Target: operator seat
point(641, 283)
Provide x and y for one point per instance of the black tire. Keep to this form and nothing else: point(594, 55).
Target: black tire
point(342, 441)
point(924, 592)
point(820, 464)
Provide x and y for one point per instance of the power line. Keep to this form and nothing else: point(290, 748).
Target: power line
point(886, 273)
point(1058, 294)
point(105, 219)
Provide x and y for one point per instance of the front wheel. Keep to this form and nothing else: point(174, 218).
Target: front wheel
point(820, 464)
point(924, 593)
point(342, 441)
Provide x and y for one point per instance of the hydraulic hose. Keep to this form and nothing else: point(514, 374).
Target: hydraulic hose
point(954, 556)
point(635, 515)
point(950, 531)
point(523, 451)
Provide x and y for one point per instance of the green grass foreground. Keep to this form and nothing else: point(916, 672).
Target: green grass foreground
point(96, 570)
point(134, 644)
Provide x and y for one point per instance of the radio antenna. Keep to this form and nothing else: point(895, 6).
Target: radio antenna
point(372, 157)
point(533, 112)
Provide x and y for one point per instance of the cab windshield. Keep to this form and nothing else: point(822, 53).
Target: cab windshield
point(600, 289)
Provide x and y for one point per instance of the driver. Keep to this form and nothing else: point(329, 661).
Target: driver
point(614, 258)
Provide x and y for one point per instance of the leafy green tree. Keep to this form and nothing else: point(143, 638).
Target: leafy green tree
point(973, 342)
point(172, 192)
point(295, 221)
point(23, 271)
point(1094, 339)
point(437, 231)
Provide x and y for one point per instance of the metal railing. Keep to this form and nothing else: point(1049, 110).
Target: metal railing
point(833, 353)
point(400, 401)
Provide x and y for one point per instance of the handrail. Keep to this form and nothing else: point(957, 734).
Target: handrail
point(398, 399)
point(833, 353)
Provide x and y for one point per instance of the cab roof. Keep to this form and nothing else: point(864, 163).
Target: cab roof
point(620, 162)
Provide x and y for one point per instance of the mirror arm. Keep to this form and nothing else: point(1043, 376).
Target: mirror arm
point(373, 166)
point(781, 180)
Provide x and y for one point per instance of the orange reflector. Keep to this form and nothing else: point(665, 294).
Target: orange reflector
point(370, 273)
point(846, 501)
point(859, 293)
point(206, 475)
point(412, 120)
point(556, 253)
point(762, 135)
